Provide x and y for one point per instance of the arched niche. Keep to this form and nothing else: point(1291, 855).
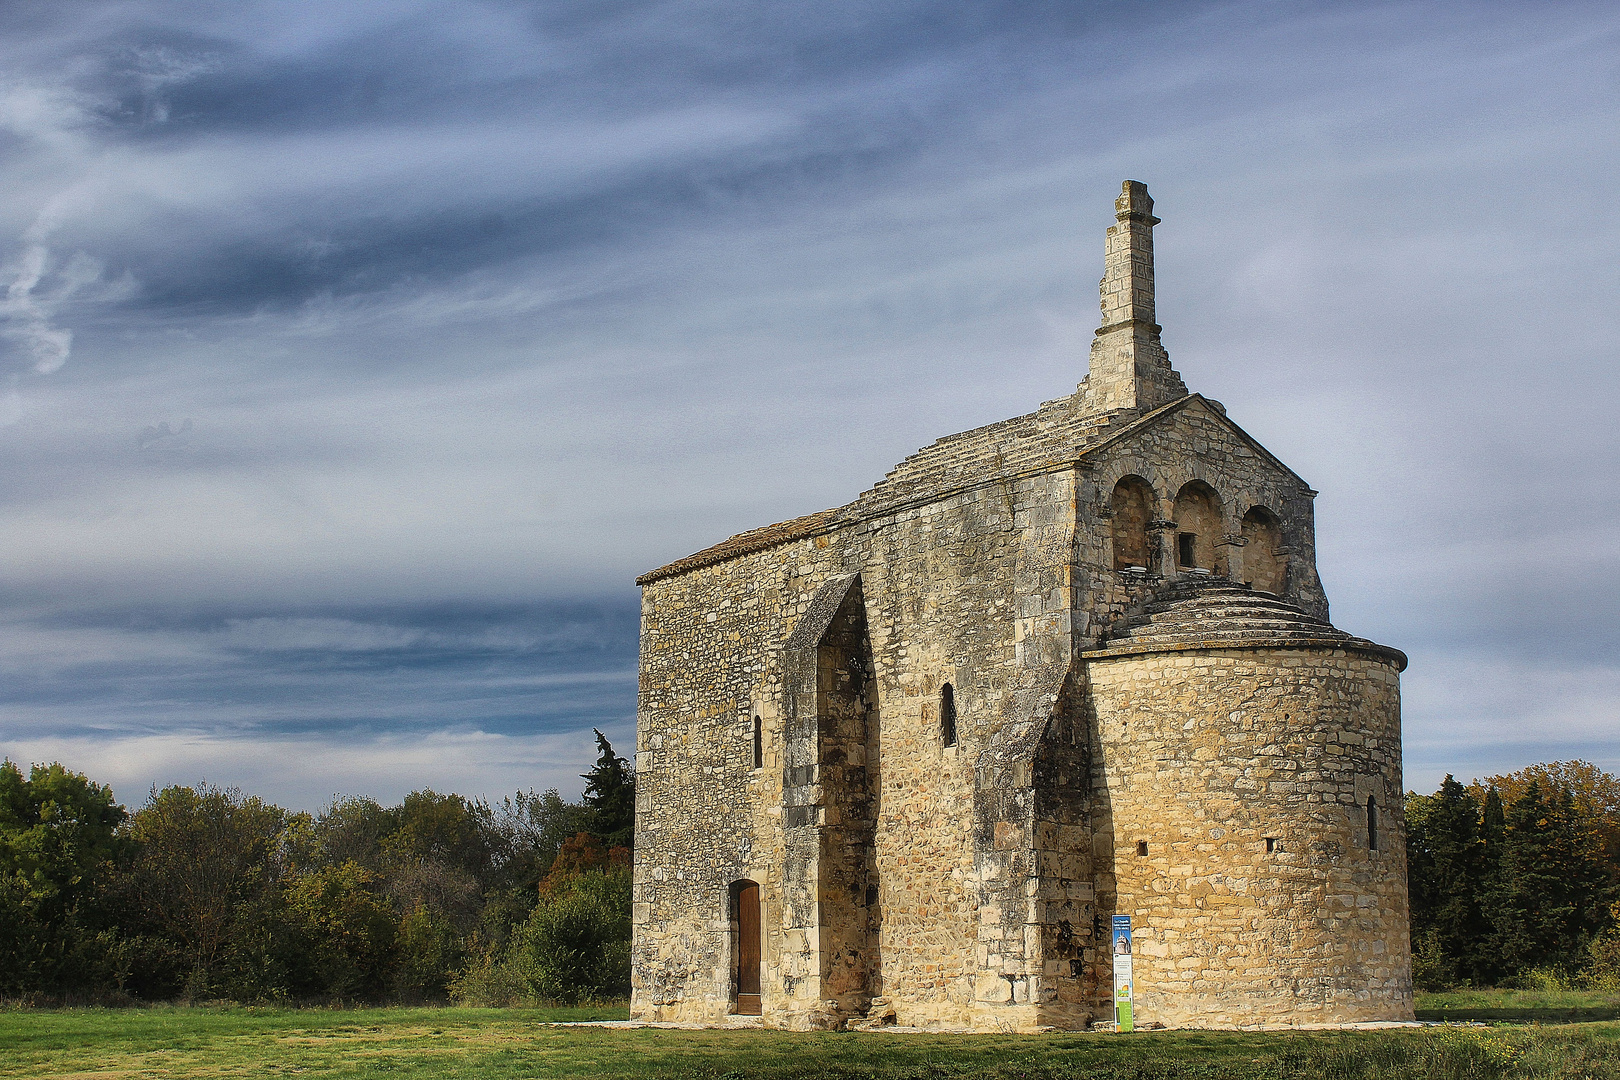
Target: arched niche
point(1198, 529)
point(1132, 504)
point(1264, 566)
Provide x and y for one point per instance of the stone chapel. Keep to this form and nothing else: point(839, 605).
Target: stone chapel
point(903, 761)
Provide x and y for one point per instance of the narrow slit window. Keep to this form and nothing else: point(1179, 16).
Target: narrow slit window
point(1372, 824)
point(1187, 552)
point(947, 715)
point(1141, 847)
point(759, 744)
point(1271, 845)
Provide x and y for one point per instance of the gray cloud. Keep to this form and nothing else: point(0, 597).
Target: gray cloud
point(475, 311)
point(131, 685)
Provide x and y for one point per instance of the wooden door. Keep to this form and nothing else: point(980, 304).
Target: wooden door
point(748, 950)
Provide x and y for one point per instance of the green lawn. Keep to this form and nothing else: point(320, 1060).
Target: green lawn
point(511, 1043)
point(1521, 1006)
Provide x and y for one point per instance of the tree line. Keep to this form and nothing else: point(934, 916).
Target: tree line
point(205, 893)
point(1514, 880)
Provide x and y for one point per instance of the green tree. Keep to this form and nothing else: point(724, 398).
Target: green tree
point(1554, 889)
point(354, 829)
point(345, 933)
point(441, 857)
point(206, 856)
point(1487, 963)
point(431, 952)
point(58, 840)
point(1596, 794)
point(533, 828)
point(576, 944)
point(1445, 872)
point(444, 829)
point(441, 861)
point(610, 796)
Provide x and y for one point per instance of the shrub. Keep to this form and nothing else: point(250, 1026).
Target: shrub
point(491, 979)
point(1432, 972)
point(346, 933)
point(575, 947)
point(1544, 980)
point(1603, 969)
point(429, 954)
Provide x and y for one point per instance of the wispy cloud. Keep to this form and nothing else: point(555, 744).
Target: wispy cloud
point(348, 345)
point(28, 315)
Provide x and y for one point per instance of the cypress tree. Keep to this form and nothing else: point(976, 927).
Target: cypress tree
point(610, 797)
point(1555, 885)
point(1419, 862)
point(1454, 861)
point(1572, 856)
point(1485, 960)
point(1531, 909)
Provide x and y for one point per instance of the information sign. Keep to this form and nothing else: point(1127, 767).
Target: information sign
point(1122, 972)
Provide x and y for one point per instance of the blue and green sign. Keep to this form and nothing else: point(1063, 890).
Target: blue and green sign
point(1122, 972)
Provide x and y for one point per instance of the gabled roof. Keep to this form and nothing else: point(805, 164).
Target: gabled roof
point(1057, 434)
point(1215, 409)
point(745, 543)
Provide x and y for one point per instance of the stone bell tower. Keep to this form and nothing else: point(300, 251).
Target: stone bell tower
point(1129, 367)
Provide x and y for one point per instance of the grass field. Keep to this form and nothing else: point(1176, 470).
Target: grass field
point(1519, 1006)
point(476, 1044)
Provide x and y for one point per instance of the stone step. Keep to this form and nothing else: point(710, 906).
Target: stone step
point(1235, 637)
point(1171, 626)
point(1246, 601)
point(1220, 613)
point(1223, 606)
point(1224, 610)
point(1194, 629)
point(1200, 608)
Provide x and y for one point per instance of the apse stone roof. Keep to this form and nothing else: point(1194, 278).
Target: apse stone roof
point(1216, 613)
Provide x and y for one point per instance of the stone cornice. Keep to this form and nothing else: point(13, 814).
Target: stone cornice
point(1154, 328)
point(1255, 642)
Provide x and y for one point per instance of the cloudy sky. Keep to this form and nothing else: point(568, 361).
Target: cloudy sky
point(357, 355)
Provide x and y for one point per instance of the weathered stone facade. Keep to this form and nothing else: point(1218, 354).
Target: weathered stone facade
point(1072, 665)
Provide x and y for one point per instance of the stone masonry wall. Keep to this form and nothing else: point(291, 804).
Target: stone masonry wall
point(1203, 756)
point(1065, 916)
point(705, 817)
point(965, 884)
point(941, 581)
point(847, 771)
point(940, 585)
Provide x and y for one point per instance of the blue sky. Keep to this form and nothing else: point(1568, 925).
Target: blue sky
point(357, 356)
